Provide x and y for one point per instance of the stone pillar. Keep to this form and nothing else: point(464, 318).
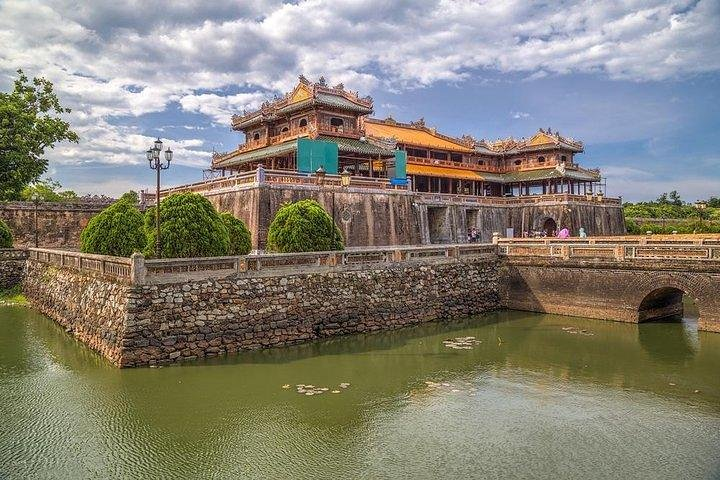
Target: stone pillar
point(260, 174)
point(137, 269)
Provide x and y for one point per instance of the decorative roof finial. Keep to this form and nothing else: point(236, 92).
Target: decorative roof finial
point(303, 79)
point(322, 81)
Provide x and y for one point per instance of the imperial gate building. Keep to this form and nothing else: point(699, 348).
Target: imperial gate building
point(405, 183)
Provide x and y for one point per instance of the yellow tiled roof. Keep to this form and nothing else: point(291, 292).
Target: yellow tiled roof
point(412, 136)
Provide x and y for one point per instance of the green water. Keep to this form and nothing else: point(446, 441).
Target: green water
point(531, 401)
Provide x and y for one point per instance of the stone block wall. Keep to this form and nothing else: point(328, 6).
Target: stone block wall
point(90, 307)
point(12, 273)
point(136, 325)
point(58, 224)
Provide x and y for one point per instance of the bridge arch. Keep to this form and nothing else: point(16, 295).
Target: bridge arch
point(662, 297)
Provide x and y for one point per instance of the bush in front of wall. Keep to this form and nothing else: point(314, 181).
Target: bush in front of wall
point(303, 226)
point(189, 227)
point(117, 230)
point(240, 242)
point(6, 238)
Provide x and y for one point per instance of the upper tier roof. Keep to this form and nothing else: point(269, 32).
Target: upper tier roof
point(413, 134)
point(304, 95)
point(542, 140)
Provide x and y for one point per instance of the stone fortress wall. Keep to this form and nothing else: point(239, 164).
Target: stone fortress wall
point(400, 217)
point(138, 312)
point(58, 224)
point(141, 312)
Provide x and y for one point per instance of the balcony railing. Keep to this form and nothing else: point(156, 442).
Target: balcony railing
point(287, 177)
point(452, 164)
point(342, 131)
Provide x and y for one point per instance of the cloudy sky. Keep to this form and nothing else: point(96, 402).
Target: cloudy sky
point(637, 81)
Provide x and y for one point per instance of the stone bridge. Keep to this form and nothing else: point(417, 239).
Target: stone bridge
point(623, 278)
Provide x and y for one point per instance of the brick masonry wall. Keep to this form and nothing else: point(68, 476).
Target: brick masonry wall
point(158, 324)
point(90, 307)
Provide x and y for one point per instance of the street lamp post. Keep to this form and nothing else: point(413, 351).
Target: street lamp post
point(153, 157)
point(36, 200)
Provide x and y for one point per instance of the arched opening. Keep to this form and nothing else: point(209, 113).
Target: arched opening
point(518, 162)
point(549, 227)
point(256, 136)
point(664, 302)
point(669, 329)
point(303, 122)
point(541, 159)
point(284, 129)
point(337, 122)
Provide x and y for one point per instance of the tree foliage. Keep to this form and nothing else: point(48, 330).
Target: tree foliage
point(117, 230)
point(189, 227)
point(6, 239)
point(303, 226)
point(29, 123)
point(47, 190)
point(240, 241)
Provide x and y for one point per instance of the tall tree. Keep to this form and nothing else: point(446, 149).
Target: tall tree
point(29, 123)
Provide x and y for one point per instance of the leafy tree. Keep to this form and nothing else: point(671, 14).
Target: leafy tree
point(675, 199)
point(28, 125)
point(189, 227)
point(131, 196)
point(713, 202)
point(47, 190)
point(240, 241)
point(6, 239)
point(117, 230)
point(303, 226)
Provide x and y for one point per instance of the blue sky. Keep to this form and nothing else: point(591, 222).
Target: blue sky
point(637, 81)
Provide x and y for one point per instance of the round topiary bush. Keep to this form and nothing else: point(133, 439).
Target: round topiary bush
point(117, 230)
point(240, 242)
point(6, 239)
point(303, 226)
point(189, 227)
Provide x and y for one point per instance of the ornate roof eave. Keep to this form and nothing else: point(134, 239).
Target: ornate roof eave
point(420, 125)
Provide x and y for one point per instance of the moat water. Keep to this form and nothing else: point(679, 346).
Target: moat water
point(540, 396)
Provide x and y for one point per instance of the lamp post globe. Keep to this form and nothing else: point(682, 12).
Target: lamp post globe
point(156, 163)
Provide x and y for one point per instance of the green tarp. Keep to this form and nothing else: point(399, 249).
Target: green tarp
point(313, 154)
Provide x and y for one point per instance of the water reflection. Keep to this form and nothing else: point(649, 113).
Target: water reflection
point(533, 387)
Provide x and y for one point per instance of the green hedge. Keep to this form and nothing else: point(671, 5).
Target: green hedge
point(117, 230)
point(6, 238)
point(189, 227)
point(303, 226)
point(694, 227)
point(240, 242)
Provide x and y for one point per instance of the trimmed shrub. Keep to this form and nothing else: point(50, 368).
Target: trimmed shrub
point(189, 227)
point(117, 230)
point(240, 242)
point(6, 239)
point(303, 226)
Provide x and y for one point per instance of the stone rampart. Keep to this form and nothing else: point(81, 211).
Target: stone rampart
point(58, 224)
point(91, 306)
point(139, 312)
point(12, 267)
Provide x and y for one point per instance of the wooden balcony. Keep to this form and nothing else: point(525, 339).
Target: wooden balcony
point(272, 140)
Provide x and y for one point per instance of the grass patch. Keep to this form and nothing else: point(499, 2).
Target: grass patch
point(12, 296)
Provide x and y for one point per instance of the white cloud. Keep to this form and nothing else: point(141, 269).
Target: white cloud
point(112, 59)
point(636, 185)
point(519, 115)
